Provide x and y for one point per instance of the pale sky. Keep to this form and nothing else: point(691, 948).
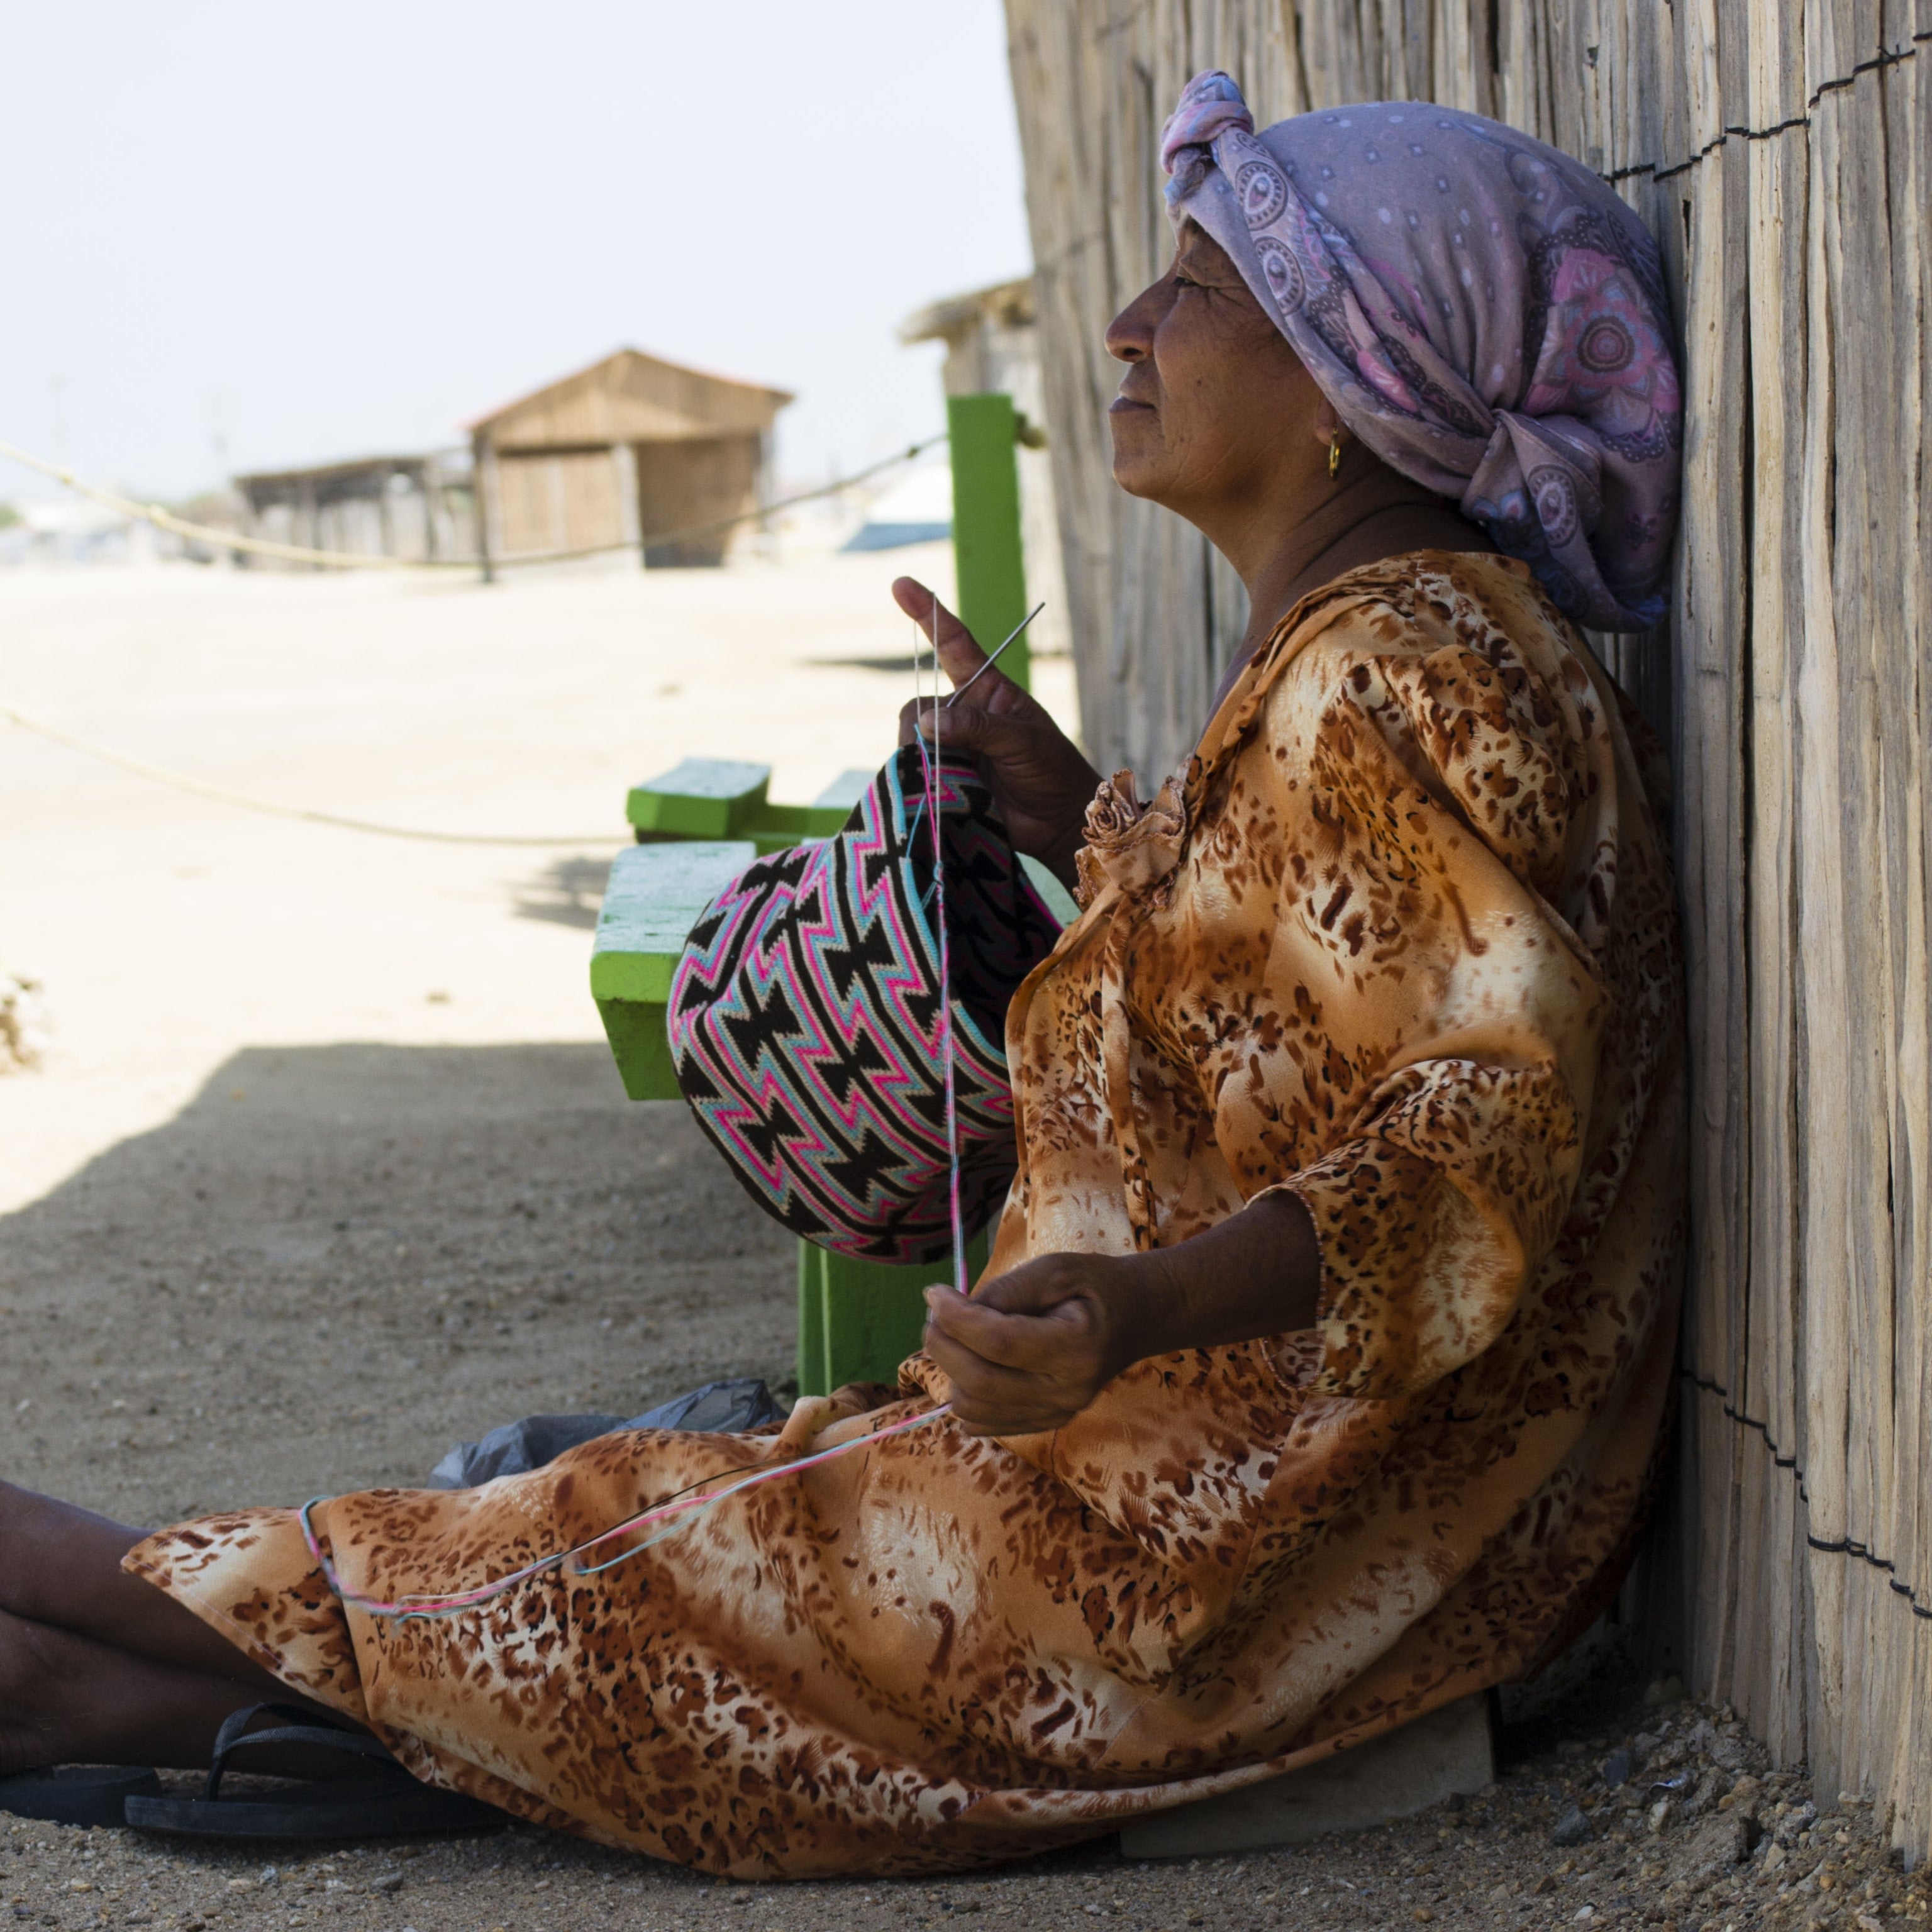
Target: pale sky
point(311, 231)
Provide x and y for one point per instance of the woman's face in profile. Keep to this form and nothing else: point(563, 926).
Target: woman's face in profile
point(1214, 401)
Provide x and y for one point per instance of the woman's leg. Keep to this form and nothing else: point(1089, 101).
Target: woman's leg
point(61, 1565)
point(66, 1699)
point(97, 1666)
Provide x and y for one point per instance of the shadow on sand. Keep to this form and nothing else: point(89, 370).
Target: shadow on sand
point(337, 1260)
point(567, 892)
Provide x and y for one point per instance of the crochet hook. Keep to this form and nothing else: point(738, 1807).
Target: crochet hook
point(995, 658)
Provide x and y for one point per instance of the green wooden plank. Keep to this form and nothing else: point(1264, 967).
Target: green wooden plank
point(858, 1320)
point(702, 798)
point(987, 552)
point(776, 828)
point(779, 827)
point(844, 792)
point(651, 900)
point(812, 1320)
point(640, 1047)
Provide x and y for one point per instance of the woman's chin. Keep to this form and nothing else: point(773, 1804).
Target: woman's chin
point(1140, 457)
point(1137, 476)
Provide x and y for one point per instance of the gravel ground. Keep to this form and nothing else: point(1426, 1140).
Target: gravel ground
point(337, 1261)
point(1549, 1845)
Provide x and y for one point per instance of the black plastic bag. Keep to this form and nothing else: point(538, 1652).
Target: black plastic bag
point(744, 1402)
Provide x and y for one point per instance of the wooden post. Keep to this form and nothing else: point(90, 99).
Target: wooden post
point(386, 534)
point(986, 546)
point(429, 487)
point(482, 487)
point(858, 1320)
point(311, 518)
point(630, 518)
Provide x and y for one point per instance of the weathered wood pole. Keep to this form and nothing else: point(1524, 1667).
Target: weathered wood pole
point(482, 483)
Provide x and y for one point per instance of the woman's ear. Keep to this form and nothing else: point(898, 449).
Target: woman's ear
point(1327, 424)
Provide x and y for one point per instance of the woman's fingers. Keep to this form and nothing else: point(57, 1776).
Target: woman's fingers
point(1014, 1374)
point(959, 654)
point(986, 1408)
point(981, 1385)
point(969, 727)
point(990, 1337)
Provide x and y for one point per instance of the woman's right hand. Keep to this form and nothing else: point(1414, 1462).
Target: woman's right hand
point(1041, 784)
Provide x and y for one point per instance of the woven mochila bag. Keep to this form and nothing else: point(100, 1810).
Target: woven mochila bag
point(805, 1017)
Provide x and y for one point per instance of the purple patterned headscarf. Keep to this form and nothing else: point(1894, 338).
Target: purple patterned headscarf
point(1482, 312)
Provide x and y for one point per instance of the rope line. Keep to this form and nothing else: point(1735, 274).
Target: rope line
point(654, 538)
point(182, 782)
point(163, 519)
point(1885, 57)
point(1842, 1546)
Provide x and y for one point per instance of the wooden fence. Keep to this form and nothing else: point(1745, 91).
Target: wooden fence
point(1782, 151)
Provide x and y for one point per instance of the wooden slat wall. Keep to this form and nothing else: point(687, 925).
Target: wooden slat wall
point(557, 499)
point(1782, 151)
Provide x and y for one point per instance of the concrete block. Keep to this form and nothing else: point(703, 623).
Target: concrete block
point(1437, 1757)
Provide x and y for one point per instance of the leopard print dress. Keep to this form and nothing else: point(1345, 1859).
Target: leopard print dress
point(1401, 938)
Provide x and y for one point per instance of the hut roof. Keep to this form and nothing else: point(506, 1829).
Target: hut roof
point(346, 468)
point(630, 397)
point(1007, 305)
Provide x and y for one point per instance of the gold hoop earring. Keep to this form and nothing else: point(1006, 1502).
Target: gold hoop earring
point(1334, 456)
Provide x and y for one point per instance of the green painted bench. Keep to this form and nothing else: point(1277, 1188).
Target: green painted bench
point(722, 798)
point(651, 900)
point(700, 823)
point(857, 1320)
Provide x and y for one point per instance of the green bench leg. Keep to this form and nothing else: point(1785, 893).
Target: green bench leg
point(857, 1321)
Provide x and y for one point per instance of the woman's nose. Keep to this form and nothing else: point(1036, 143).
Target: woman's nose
point(1129, 336)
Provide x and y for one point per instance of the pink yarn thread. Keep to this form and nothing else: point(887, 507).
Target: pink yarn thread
point(946, 1042)
point(684, 1510)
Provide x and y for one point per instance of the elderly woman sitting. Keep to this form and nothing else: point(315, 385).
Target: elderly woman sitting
point(1319, 1374)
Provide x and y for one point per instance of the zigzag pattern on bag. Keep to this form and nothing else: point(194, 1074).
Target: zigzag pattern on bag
point(804, 1019)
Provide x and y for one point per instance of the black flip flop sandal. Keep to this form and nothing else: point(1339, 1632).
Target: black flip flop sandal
point(76, 1794)
point(390, 1804)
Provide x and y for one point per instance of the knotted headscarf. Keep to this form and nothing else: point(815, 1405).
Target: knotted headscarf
point(1482, 312)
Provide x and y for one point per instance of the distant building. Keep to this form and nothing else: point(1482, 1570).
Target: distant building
point(992, 344)
point(73, 530)
point(629, 450)
point(418, 507)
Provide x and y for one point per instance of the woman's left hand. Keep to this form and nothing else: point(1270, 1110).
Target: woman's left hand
point(1029, 1350)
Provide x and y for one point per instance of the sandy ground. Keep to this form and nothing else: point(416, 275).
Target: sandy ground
point(327, 1169)
point(170, 931)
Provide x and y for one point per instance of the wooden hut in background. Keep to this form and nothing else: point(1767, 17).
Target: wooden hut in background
point(417, 507)
point(630, 448)
point(1782, 153)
